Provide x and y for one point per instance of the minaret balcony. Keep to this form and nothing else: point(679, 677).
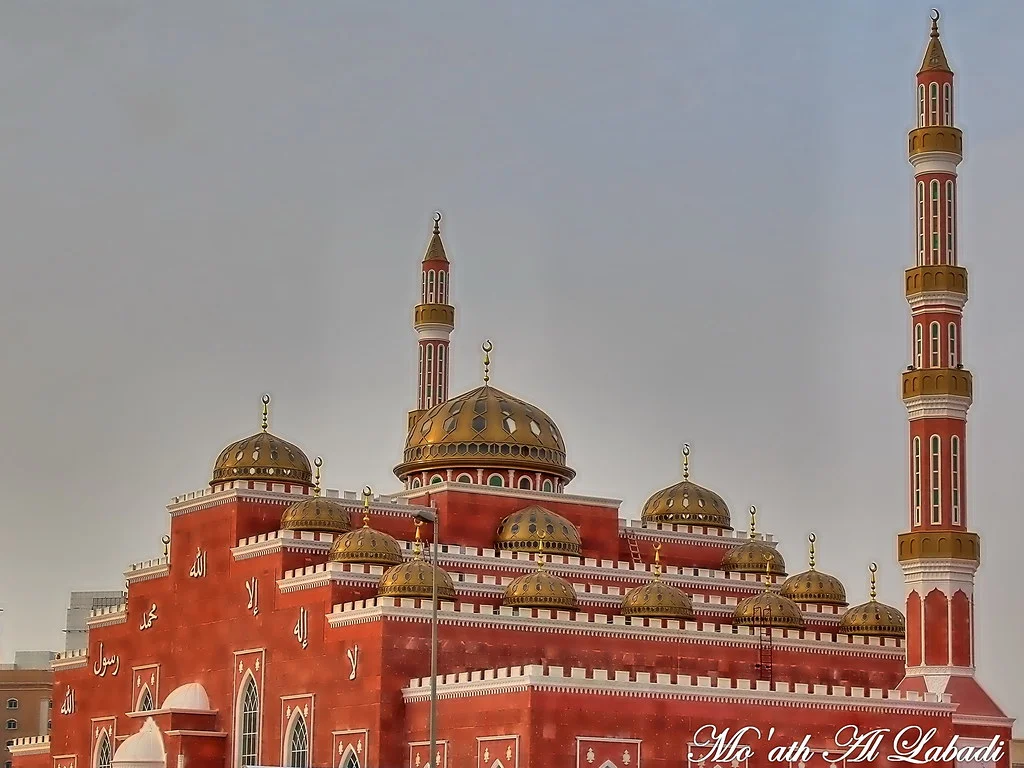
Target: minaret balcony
point(434, 314)
point(936, 138)
point(936, 278)
point(941, 382)
point(939, 545)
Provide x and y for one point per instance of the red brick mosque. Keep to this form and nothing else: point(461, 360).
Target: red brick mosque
point(289, 626)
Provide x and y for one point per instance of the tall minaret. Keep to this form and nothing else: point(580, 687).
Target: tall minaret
point(434, 321)
point(939, 555)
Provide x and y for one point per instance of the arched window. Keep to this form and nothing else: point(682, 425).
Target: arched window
point(918, 346)
point(430, 376)
point(463, 478)
point(936, 510)
point(422, 403)
point(430, 287)
point(952, 346)
point(423, 289)
point(933, 92)
point(950, 225)
point(547, 487)
point(12, 725)
point(935, 223)
point(104, 752)
point(12, 703)
point(496, 480)
point(442, 287)
point(436, 479)
point(921, 109)
point(349, 760)
point(297, 754)
point(947, 104)
point(920, 217)
point(145, 702)
point(954, 452)
point(440, 373)
point(934, 332)
point(415, 482)
point(526, 483)
point(917, 481)
point(248, 728)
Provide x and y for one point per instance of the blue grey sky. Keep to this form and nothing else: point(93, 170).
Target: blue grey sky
point(676, 221)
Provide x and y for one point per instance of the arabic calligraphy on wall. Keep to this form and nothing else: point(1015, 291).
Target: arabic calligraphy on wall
point(198, 569)
point(68, 707)
point(103, 662)
point(252, 587)
point(148, 618)
point(301, 630)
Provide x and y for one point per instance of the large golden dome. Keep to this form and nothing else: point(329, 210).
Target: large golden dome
point(873, 618)
point(541, 589)
point(485, 428)
point(768, 609)
point(263, 456)
point(756, 556)
point(523, 531)
point(656, 599)
point(315, 513)
point(813, 586)
point(687, 503)
point(415, 578)
point(366, 545)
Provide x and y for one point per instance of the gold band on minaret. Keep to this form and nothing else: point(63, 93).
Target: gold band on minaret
point(266, 412)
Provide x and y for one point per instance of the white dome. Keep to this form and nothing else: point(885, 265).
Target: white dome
point(143, 750)
point(190, 697)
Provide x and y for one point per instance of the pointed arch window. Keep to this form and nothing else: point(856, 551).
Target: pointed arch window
point(935, 222)
point(950, 224)
point(920, 218)
point(947, 104)
point(918, 346)
point(921, 109)
point(145, 703)
point(936, 479)
point(954, 452)
point(350, 760)
point(917, 481)
point(104, 751)
point(248, 729)
point(441, 396)
point(442, 287)
point(297, 755)
point(934, 333)
point(430, 376)
point(953, 351)
point(933, 92)
point(421, 390)
point(430, 287)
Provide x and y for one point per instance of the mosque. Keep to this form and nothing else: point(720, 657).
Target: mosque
point(287, 625)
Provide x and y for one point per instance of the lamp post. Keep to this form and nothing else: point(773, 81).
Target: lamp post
point(429, 516)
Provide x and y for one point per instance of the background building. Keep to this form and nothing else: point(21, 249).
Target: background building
point(25, 699)
point(80, 607)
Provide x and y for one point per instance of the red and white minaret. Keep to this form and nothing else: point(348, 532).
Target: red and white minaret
point(434, 321)
point(939, 555)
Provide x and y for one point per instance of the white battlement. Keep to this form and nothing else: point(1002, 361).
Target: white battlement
point(671, 530)
point(28, 741)
point(77, 653)
point(538, 619)
point(107, 610)
point(672, 685)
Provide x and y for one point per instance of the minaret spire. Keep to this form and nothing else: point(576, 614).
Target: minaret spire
point(434, 321)
point(934, 56)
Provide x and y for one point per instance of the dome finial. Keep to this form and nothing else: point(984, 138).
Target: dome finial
point(768, 560)
point(437, 222)
point(540, 550)
point(487, 347)
point(686, 461)
point(317, 462)
point(874, 580)
point(417, 545)
point(811, 538)
point(935, 22)
point(266, 412)
point(753, 522)
point(367, 493)
point(657, 561)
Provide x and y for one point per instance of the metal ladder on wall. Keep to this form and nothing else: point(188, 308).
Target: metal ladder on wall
point(763, 620)
point(634, 550)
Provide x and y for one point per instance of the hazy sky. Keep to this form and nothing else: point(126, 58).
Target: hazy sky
point(677, 222)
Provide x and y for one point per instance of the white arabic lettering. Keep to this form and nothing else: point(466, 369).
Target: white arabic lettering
point(252, 586)
point(148, 618)
point(301, 630)
point(353, 660)
point(198, 569)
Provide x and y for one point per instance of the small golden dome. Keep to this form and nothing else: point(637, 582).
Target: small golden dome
point(873, 619)
point(521, 532)
point(315, 513)
point(263, 456)
point(687, 503)
point(813, 586)
point(540, 589)
point(415, 578)
point(656, 599)
point(756, 556)
point(485, 427)
point(366, 545)
point(768, 609)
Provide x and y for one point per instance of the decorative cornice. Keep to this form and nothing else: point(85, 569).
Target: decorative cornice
point(108, 619)
point(147, 570)
point(937, 407)
point(30, 745)
point(489, 490)
point(988, 722)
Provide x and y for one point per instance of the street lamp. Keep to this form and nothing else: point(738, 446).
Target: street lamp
point(429, 516)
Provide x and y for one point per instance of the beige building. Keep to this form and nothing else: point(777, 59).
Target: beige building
point(25, 698)
point(1017, 753)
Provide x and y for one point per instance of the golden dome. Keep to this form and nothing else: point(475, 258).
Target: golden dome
point(521, 532)
point(415, 578)
point(687, 503)
point(485, 427)
point(366, 545)
point(768, 609)
point(315, 513)
point(873, 618)
point(262, 456)
point(756, 556)
point(813, 586)
point(540, 589)
point(656, 599)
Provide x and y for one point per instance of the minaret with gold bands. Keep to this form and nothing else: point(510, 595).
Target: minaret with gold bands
point(939, 555)
point(434, 321)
